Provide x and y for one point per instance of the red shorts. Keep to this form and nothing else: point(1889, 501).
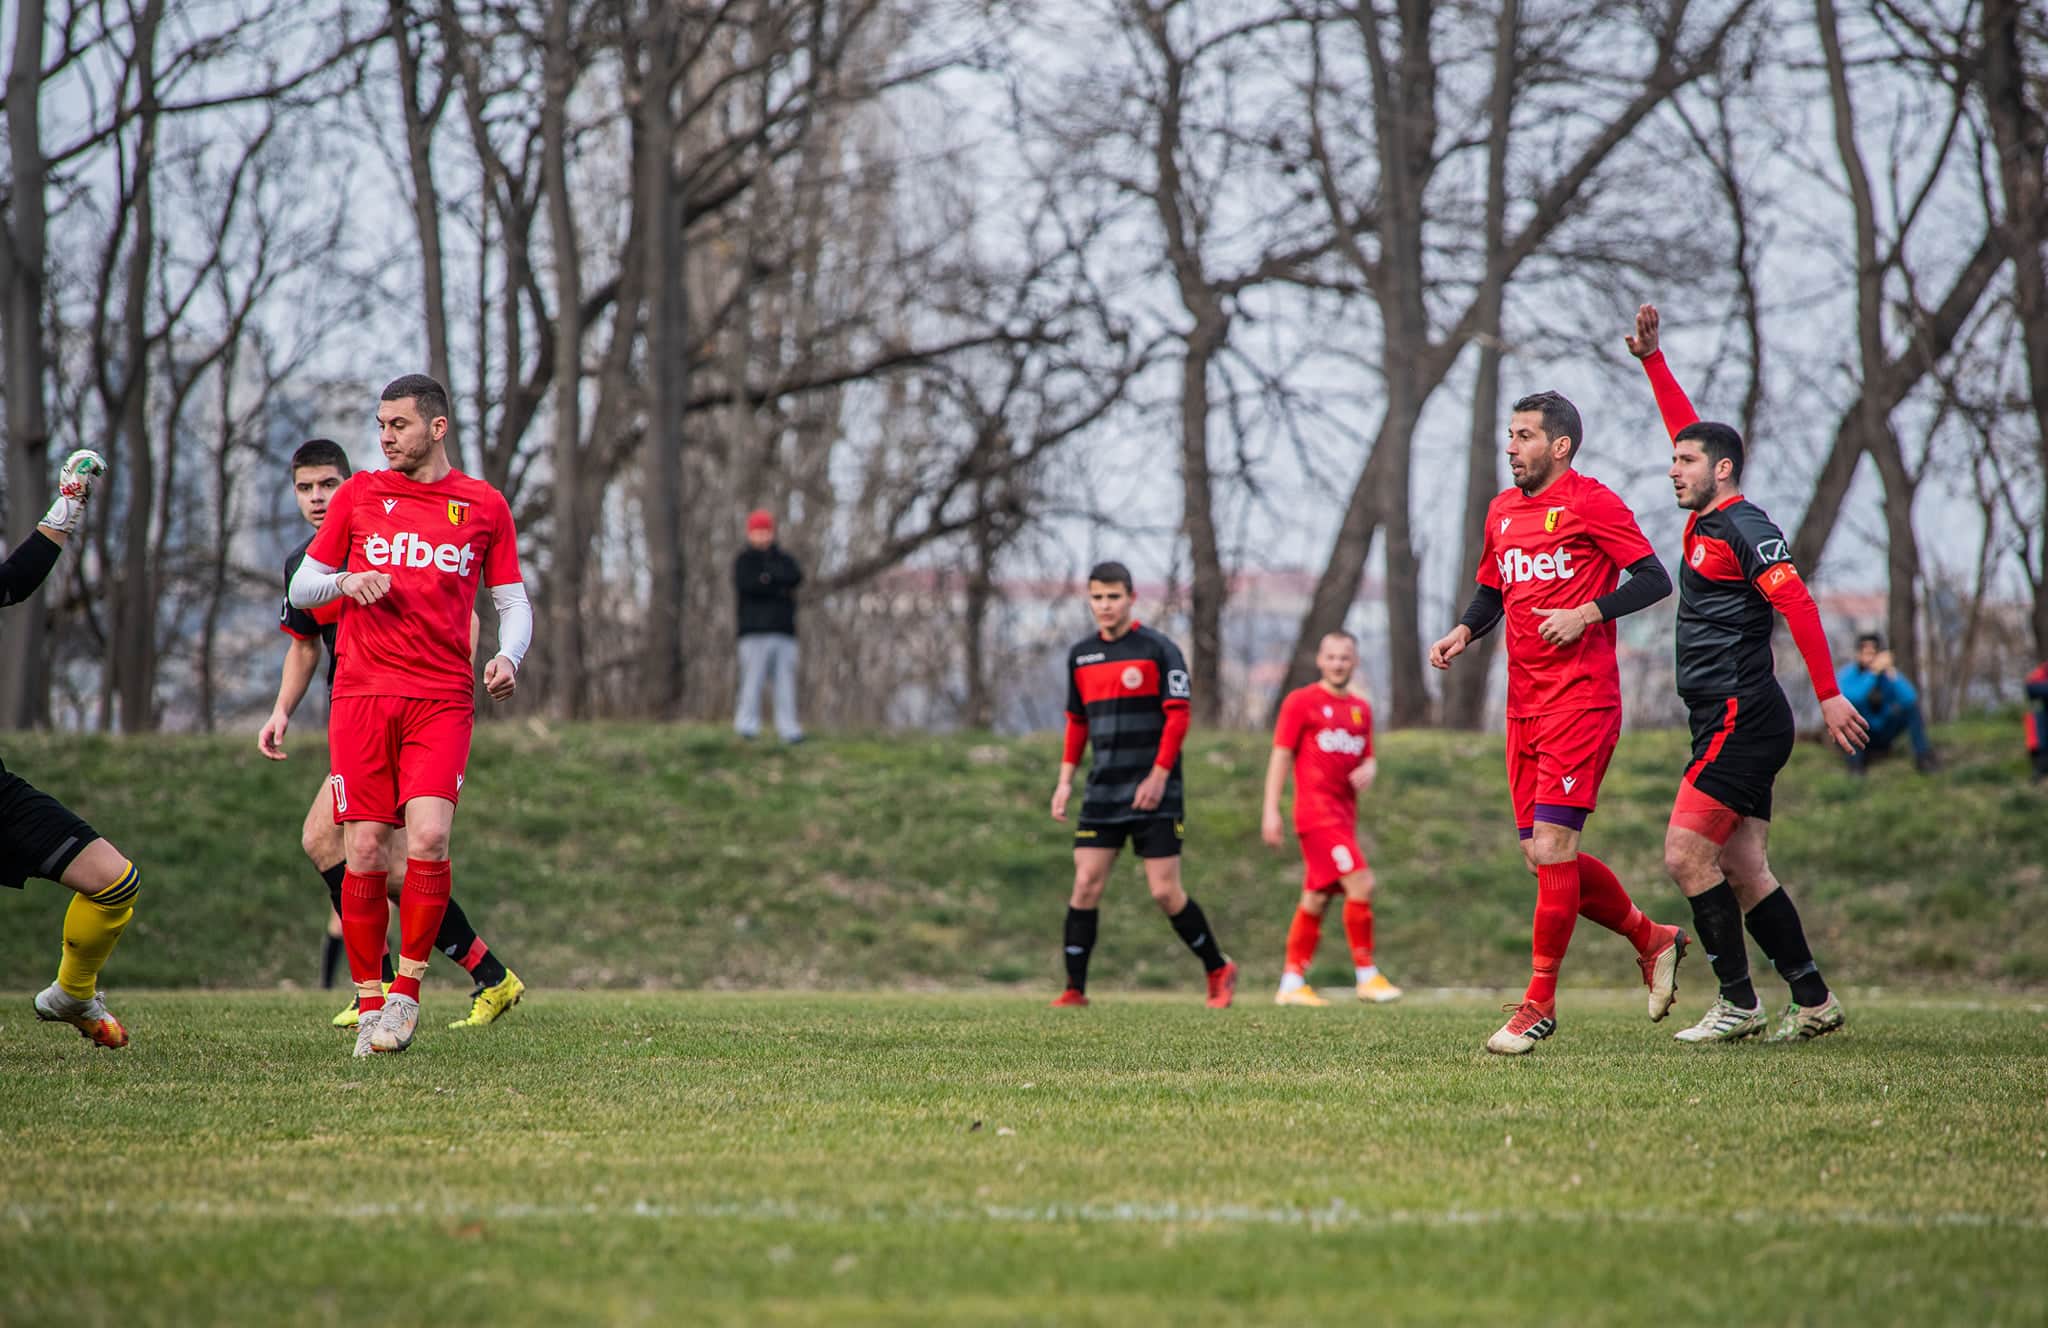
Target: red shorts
point(1330, 853)
point(1559, 760)
point(384, 751)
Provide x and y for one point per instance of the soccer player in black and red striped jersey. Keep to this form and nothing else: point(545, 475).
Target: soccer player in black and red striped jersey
point(1128, 696)
point(1737, 569)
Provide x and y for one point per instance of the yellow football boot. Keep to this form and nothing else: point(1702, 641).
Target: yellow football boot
point(490, 1002)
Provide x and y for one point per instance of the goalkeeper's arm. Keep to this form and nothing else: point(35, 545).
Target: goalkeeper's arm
point(28, 566)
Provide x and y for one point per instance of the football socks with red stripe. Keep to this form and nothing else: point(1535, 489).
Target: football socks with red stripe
point(365, 916)
point(1775, 924)
point(1557, 911)
point(1358, 931)
point(1193, 929)
point(1603, 900)
point(1717, 921)
point(421, 905)
point(1079, 943)
point(1303, 935)
point(459, 941)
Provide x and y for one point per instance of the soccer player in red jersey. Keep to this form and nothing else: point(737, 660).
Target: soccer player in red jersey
point(1128, 695)
point(407, 548)
point(1556, 543)
point(318, 468)
point(1324, 735)
point(1736, 572)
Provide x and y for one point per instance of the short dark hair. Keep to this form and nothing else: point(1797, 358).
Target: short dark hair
point(1113, 574)
point(1560, 417)
point(1871, 637)
point(1720, 442)
point(1343, 635)
point(427, 394)
point(321, 452)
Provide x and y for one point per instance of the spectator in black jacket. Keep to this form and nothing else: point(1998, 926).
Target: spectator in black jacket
point(766, 578)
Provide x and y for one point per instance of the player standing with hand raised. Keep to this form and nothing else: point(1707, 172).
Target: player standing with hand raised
point(1738, 570)
point(419, 539)
point(1556, 543)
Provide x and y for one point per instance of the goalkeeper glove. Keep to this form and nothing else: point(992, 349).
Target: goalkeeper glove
point(74, 486)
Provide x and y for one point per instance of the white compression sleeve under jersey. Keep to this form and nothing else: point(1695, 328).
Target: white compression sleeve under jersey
point(313, 584)
point(515, 621)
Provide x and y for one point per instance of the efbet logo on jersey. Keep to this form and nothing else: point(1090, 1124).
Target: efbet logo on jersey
point(1516, 566)
point(458, 512)
point(1341, 740)
point(405, 549)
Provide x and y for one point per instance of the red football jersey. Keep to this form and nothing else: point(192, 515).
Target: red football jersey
point(1330, 736)
point(439, 542)
point(1560, 549)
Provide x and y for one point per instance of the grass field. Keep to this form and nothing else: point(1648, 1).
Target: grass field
point(844, 1159)
point(657, 856)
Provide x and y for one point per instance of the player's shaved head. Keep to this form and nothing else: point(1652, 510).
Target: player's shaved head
point(427, 395)
point(1340, 635)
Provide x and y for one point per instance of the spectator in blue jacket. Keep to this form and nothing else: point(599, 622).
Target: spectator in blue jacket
point(1888, 701)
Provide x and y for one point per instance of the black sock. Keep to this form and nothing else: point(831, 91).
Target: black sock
point(1775, 924)
point(331, 952)
point(455, 940)
point(1194, 929)
point(389, 974)
point(1717, 920)
point(330, 959)
point(1080, 943)
point(332, 875)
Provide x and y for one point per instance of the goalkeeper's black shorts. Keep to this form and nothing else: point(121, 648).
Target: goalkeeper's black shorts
point(39, 836)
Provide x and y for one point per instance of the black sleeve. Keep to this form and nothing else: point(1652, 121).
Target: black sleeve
point(1484, 612)
point(787, 574)
point(27, 567)
point(1647, 583)
point(740, 579)
point(299, 622)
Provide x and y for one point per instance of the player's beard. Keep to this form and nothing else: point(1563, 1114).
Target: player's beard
point(1533, 478)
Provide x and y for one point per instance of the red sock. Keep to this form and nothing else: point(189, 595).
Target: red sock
point(1358, 930)
point(1603, 900)
point(1302, 938)
point(1557, 909)
point(365, 916)
point(420, 906)
point(474, 955)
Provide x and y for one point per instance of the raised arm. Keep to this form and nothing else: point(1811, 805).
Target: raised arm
point(1672, 402)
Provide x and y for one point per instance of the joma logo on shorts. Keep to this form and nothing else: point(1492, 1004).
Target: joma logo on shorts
point(1518, 566)
point(406, 549)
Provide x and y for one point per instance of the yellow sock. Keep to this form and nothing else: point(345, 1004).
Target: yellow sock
point(91, 926)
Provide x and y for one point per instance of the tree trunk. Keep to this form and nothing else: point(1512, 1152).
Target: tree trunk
point(1211, 585)
point(426, 202)
point(668, 376)
point(2020, 133)
point(23, 281)
point(565, 616)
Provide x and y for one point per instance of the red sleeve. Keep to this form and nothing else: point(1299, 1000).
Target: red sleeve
point(1782, 586)
point(1672, 402)
point(1613, 527)
point(331, 543)
point(1177, 716)
point(1287, 730)
point(1077, 740)
point(501, 560)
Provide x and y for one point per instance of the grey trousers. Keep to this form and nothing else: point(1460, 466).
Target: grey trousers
point(765, 656)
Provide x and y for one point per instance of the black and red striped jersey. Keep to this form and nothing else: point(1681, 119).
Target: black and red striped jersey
point(1734, 556)
point(1123, 690)
point(323, 621)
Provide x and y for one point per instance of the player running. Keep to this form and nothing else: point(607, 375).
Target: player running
point(40, 836)
point(1737, 569)
point(1555, 545)
point(1325, 734)
point(417, 539)
point(1127, 693)
point(318, 469)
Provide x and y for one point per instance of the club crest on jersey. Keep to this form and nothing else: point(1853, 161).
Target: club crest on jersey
point(1699, 554)
point(1550, 520)
point(1131, 677)
point(458, 512)
point(1357, 715)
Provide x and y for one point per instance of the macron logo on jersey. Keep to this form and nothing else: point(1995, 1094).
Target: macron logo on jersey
point(405, 549)
point(1341, 740)
point(1517, 566)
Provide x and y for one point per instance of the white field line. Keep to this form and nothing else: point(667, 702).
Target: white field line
point(1335, 1216)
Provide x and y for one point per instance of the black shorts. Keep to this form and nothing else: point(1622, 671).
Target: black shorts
point(1739, 744)
point(1154, 837)
point(39, 836)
